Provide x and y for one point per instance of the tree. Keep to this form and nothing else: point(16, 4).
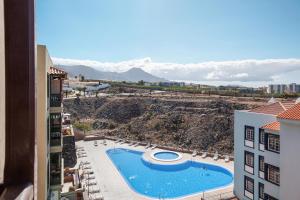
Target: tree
point(84, 90)
point(141, 82)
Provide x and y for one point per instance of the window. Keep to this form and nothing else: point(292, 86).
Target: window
point(268, 197)
point(249, 185)
point(55, 119)
point(261, 163)
point(261, 136)
point(272, 174)
point(261, 190)
point(273, 143)
point(249, 159)
point(249, 133)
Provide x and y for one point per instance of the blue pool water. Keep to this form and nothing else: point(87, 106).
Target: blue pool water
point(173, 181)
point(166, 155)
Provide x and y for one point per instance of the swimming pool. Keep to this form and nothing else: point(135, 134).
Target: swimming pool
point(166, 156)
point(167, 181)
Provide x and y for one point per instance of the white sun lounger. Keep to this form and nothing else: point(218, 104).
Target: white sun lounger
point(96, 196)
point(85, 162)
point(123, 142)
point(91, 182)
point(87, 167)
point(94, 190)
point(194, 153)
point(154, 146)
point(90, 177)
point(131, 143)
point(204, 155)
point(88, 171)
point(226, 159)
point(216, 156)
point(148, 145)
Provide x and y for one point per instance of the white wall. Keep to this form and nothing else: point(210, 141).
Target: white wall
point(290, 160)
point(242, 118)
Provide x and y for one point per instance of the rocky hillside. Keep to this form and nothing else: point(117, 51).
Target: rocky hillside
point(203, 125)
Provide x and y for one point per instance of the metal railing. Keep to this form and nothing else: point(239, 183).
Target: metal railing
point(221, 196)
point(55, 100)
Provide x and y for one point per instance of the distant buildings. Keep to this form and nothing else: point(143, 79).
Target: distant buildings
point(266, 151)
point(292, 88)
point(171, 83)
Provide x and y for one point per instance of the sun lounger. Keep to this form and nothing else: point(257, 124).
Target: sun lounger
point(95, 143)
point(88, 171)
point(91, 182)
point(97, 196)
point(87, 167)
point(148, 146)
point(216, 156)
point(154, 146)
point(90, 177)
point(194, 153)
point(93, 189)
point(86, 162)
point(204, 155)
point(131, 143)
point(123, 142)
point(226, 159)
point(82, 156)
point(136, 144)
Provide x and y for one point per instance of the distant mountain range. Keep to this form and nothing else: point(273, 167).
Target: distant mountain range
point(133, 74)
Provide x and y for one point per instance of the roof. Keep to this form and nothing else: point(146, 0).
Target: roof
point(274, 126)
point(291, 114)
point(274, 108)
point(56, 71)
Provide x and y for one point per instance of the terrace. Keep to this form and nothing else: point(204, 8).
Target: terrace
point(113, 186)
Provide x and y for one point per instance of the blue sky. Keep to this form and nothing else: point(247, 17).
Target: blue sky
point(170, 31)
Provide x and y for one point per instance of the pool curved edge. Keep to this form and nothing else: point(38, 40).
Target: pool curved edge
point(175, 198)
point(166, 160)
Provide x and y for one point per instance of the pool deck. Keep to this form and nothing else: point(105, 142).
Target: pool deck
point(112, 184)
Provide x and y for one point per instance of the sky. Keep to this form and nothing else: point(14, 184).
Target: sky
point(215, 41)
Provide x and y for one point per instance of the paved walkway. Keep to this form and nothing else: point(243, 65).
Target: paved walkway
point(111, 182)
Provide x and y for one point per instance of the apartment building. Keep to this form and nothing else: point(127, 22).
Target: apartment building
point(283, 88)
point(49, 126)
point(266, 152)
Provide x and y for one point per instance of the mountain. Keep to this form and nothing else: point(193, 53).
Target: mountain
point(133, 74)
point(137, 74)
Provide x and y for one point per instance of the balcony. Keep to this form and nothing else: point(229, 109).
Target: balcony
point(55, 100)
point(55, 142)
point(55, 178)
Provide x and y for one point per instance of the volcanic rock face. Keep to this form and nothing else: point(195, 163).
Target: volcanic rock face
point(202, 125)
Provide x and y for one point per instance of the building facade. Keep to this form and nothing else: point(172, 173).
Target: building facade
point(49, 126)
point(264, 145)
point(292, 88)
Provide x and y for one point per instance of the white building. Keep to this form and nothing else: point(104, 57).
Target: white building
point(266, 147)
point(282, 88)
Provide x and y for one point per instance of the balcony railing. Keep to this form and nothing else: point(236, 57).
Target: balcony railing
point(55, 100)
point(55, 178)
point(55, 142)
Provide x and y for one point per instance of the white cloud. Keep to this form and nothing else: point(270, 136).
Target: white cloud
point(240, 70)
